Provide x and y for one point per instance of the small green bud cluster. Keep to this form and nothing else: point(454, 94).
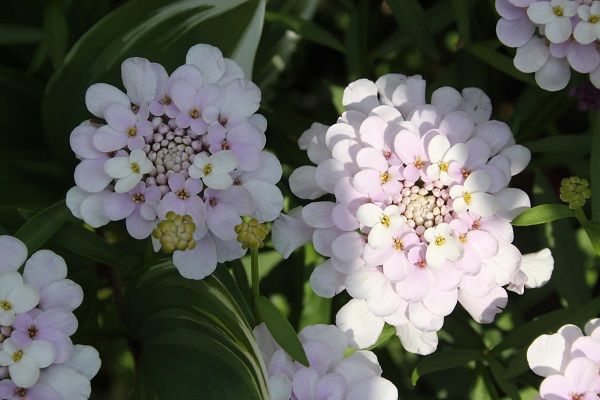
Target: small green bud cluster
point(175, 232)
point(251, 234)
point(575, 191)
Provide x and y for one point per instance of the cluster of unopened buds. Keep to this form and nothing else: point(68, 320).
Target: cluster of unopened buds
point(575, 191)
point(332, 372)
point(569, 362)
point(421, 213)
point(185, 149)
point(551, 37)
point(38, 360)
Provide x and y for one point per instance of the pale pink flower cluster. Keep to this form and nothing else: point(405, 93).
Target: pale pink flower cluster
point(551, 37)
point(569, 362)
point(330, 374)
point(190, 142)
point(421, 213)
point(38, 360)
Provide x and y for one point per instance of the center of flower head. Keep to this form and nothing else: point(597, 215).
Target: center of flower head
point(166, 100)
point(465, 173)
point(207, 169)
point(20, 392)
point(17, 355)
point(440, 240)
point(384, 177)
point(171, 149)
point(385, 220)
point(576, 396)
point(225, 145)
point(398, 245)
point(594, 19)
point(32, 332)
point(558, 11)
point(194, 113)
point(424, 207)
point(5, 305)
point(138, 198)
point(135, 167)
point(421, 263)
point(443, 166)
point(182, 194)
point(131, 132)
point(462, 238)
point(418, 163)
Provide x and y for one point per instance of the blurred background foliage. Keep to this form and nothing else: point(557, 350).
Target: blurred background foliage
point(161, 337)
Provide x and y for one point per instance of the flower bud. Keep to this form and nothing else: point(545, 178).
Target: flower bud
point(251, 234)
point(575, 191)
point(175, 232)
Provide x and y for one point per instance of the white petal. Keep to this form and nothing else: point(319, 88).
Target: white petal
point(538, 268)
point(280, 387)
point(268, 200)
point(118, 167)
point(242, 97)
point(24, 373)
point(67, 382)
point(23, 298)
point(9, 281)
point(540, 12)
point(42, 352)
point(511, 202)
point(438, 146)
point(532, 55)
point(484, 309)
point(92, 209)
point(224, 160)
point(360, 95)
point(208, 59)
point(362, 327)
point(415, 340)
point(218, 179)
point(14, 253)
point(477, 181)
point(199, 262)
point(519, 157)
point(548, 354)
point(554, 75)
point(326, 281)
point(446, 99)
point(483, 204)
point(369, 214)
point(85, 360)
point(386, 86)
point(318, 214)
point(559, 30)
point(303, 184)
point(100, 95)
point(127, 183)
point(373, 389)
point(290, 232)
point(139, 78)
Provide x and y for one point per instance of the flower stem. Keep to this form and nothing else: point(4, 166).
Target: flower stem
point(255, 280)
point(581, 217)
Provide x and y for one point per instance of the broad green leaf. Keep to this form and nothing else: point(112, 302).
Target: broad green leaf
point(55, 31)
point(542, 214)
point(593, 231)
point(412, 19)
point(595, 167)
point(524, 335)
point(306, 29)
point(193, 338)
point(357, 59)
point(498, 61)
point(572, 144)
point(499, 372)
point(38, 229)
point(18, 34)
point(462, 13)
point(160, 30)
point(87, 244)
point(281, 329)
point(443, 360)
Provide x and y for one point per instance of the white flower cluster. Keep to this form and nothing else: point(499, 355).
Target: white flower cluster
point(568, 36)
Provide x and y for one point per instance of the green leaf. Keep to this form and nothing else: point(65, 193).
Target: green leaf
point(498, 61)
point(443, 360)
point(87, 244)
point(573, 144)
point(160, 30)
point(387, 333)
point(595, 167)
point(38, 229)
point(593, 231)
point(55, 32)
point(18, 34)
point(281, 329)
point(542, 214)
point(193, 337)
point(500, 375)
point(462, 13)
point(411, 18)
point(306, 29)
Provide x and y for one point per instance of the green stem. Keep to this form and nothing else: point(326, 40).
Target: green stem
point(255, 280)
point(581, 217)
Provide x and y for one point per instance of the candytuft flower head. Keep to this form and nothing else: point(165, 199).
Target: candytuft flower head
point(35, 345)
point(330, 375)
point(178, 156)
point(552, 37)
point(575, 191)
point(423, 222)
point(568, 362)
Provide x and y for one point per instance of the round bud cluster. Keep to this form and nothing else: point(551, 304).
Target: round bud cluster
point(252, 234)
point(189, 142)
point(175, 232)
point(575, 191)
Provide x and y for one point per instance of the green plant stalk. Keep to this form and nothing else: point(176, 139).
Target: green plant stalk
point(255, 281)
point(581, 217)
